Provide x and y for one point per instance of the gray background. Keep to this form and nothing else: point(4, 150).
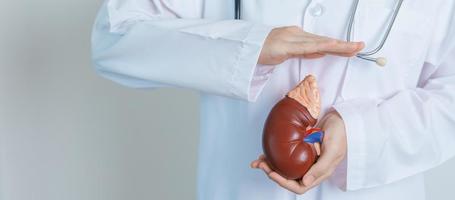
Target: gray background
point(67, 134)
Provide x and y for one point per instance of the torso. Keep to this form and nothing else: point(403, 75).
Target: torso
point(231, 129)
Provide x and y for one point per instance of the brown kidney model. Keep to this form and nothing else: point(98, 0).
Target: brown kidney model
point(286, 128)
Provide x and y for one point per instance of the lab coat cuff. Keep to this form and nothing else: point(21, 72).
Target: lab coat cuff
point(260, 77)
point(356, 140)
point(248, 72)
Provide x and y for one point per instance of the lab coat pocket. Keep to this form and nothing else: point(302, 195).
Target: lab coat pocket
point(404, 49)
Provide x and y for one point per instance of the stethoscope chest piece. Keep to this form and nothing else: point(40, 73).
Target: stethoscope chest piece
point(381, 61)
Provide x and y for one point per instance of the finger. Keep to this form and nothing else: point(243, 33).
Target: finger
point(312, 35)
point(317, 147)
point(300, 49)
point(314, 56)
point(290, 185)
point(255, 164)
point(340, 47)
point(265, 167)
point(316, 181)
point(345, 54)
point(307, 37)
point(325, 47)
point(316, 173)
point(322, 169)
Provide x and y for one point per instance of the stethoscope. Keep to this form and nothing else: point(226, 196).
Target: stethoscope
point(380, 61)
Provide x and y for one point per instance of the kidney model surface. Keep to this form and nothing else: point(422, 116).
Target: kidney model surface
point(289, 136)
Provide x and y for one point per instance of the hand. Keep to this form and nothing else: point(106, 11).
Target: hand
point(287, 42)
point(333, 151)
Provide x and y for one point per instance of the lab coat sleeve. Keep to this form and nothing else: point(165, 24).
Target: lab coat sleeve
point(148, 43)
point(410, 132)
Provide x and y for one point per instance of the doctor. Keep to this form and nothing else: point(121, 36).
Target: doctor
point(384, 126)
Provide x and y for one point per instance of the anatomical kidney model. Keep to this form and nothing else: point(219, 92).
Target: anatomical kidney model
point(289, 137)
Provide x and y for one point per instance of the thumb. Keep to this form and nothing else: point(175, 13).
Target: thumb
point(320, 170)
point(316, 172)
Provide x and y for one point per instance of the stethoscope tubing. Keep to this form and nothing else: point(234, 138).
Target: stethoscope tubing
point(364, 55)
point(361, 55)
point(238, 8)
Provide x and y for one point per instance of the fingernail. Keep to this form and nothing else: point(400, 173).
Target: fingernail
point(253, 164)
point(308, 180)
point(361, 45)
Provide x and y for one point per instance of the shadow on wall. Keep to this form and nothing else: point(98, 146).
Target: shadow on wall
point(67, 134)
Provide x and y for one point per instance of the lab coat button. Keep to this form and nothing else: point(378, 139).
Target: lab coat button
point(317, 10)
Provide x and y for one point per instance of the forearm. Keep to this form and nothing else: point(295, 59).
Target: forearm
point(406, 134)
point(218, 57)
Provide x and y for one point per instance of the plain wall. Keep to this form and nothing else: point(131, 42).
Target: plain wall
point(67, 134)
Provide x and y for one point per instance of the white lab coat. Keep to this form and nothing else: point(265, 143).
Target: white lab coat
point(400, 119)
